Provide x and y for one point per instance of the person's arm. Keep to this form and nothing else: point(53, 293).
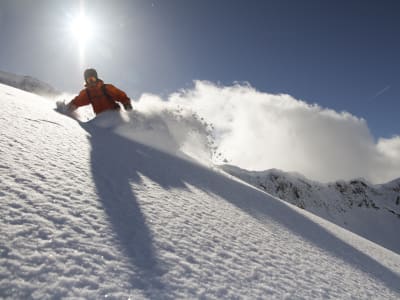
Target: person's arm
point(71, 107)
point(80, 100)
point(120, 96)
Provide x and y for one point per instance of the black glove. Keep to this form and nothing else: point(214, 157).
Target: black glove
point(128, 106)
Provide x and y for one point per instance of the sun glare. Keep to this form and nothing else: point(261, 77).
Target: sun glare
point(81, 28)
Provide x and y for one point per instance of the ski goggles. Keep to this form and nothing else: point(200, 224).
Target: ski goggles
point(91, 79)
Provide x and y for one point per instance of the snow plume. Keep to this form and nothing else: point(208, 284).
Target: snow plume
point(388, 161)
point(259, 131)
point(162, 125)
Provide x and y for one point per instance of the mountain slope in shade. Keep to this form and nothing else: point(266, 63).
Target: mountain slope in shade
point(28, 83)
point(88, 213)
point(372, 211)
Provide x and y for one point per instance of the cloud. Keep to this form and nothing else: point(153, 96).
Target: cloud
point(381, 92)
point(259, 131)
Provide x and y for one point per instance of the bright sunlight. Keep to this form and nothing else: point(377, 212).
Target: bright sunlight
point(82, 29)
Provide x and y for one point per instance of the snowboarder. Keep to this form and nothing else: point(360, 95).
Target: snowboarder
point(101, 96)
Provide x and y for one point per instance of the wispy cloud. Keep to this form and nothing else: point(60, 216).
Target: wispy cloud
point(381, 92)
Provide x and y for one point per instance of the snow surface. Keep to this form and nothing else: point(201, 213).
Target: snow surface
point(89, 213)
point(372, 211)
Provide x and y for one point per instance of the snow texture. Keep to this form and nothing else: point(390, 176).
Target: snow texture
point(372, 211)
point(90, 213)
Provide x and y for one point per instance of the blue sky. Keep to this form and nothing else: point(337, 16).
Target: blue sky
point(342, 55)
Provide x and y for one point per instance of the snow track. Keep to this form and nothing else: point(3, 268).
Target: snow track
point(89, 213)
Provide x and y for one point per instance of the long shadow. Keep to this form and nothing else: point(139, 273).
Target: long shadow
point(112, 172)
point(127, 158)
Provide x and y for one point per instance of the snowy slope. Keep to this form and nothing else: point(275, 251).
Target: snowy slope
point(372, 211)
point(28, 83)
point(89, 213)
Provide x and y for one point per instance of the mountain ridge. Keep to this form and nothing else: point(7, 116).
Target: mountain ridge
point(28, 83)
point(341, 202)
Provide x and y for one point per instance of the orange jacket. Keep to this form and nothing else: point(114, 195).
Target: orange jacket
point(95, 95)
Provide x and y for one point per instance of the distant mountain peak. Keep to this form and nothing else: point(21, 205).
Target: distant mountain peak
point(28, 83)
point(356, 204)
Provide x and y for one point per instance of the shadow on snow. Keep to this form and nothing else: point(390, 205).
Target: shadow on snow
point(117, 161)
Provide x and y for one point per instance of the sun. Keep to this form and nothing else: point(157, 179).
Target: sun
point(82, 28)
